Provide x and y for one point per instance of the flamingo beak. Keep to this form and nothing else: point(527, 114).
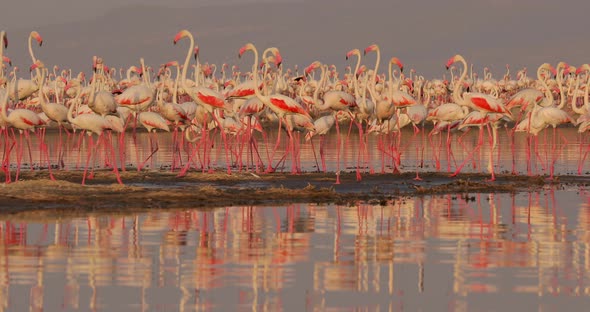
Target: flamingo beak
point(5, 42)
point(450, 62)
point(279, 60)
point(242, 50)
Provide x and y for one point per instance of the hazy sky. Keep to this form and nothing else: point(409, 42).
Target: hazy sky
point(422, 33)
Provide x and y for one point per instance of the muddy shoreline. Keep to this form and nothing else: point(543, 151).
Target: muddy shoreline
point(36, 195)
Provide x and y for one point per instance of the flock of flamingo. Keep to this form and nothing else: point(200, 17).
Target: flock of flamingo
point(242, 107)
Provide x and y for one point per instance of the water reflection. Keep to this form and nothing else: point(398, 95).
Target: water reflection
point(417, 152)
point(446, 253)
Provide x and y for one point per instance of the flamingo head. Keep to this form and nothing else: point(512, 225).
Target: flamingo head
point(550, 68)
point(37, 37)
point(228, 83)
point(134, 69)
point(181, 34)
point(361, 70)
point(248, 46)
point(562, 64)
point(37, 64)
point(353, 52)
point(312, 66)
point(371, 48)
point(584, 67)
point(171, 63)
point(453, 59)
point(196, 52)
point(278, 59)
point(68, 86)
point(396, 61)
point(7, 60)
point(5, 40)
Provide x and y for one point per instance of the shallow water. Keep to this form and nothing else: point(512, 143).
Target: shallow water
point(416, 152)
point(457, 252)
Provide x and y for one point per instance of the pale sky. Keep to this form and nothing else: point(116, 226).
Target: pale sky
point(422, 33)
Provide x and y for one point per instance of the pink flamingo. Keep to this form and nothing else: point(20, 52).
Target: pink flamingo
point(478, 101)
point(24, 120)
point(138, 97)
point(481, 102)
point(322, 126)
point(280, 104)
point(206, 97)
point(24, 88)
point(92, 124)
point(152, 121)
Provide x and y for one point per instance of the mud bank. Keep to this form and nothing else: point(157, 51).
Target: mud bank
point(35, 194)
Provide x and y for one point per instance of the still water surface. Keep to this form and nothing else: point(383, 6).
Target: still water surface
point(415, 152)
point(457, 252)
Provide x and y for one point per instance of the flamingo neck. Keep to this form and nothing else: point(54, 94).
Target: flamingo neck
point(185, 66)
point(457, 97)
point(175, 92)
point(548, 94)
point(356, 68)
point(561, 90)
point(41, 93)
point(2, 34)
point(33, 58)
point(255, 74)
point(586, 104)
point(320, 85)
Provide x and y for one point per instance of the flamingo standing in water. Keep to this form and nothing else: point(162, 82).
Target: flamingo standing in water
point(481, 102)
point(322, 126)
point(206, 97)
point(24, 120)
point(54, 111)
point(280, 104)
point(93, 124)
point(152, 121)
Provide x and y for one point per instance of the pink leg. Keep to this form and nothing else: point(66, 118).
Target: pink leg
point(89, 153)
point(269, 166)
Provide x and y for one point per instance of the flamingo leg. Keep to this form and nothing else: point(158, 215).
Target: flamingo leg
point(269, 166)
point(89, 153)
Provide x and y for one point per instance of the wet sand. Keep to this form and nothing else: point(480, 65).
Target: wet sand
point(35, 195)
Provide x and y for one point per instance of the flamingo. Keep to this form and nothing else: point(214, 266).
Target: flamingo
point(478, 101)
point(54, 111)
point(23, 88)
point(280, 104)
point(481, 102)
point(322, 126)
point(210, 99)
point(24, 120)
point(92, 124)
point(337, 101)
point(138, 97)
point(152, 121)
